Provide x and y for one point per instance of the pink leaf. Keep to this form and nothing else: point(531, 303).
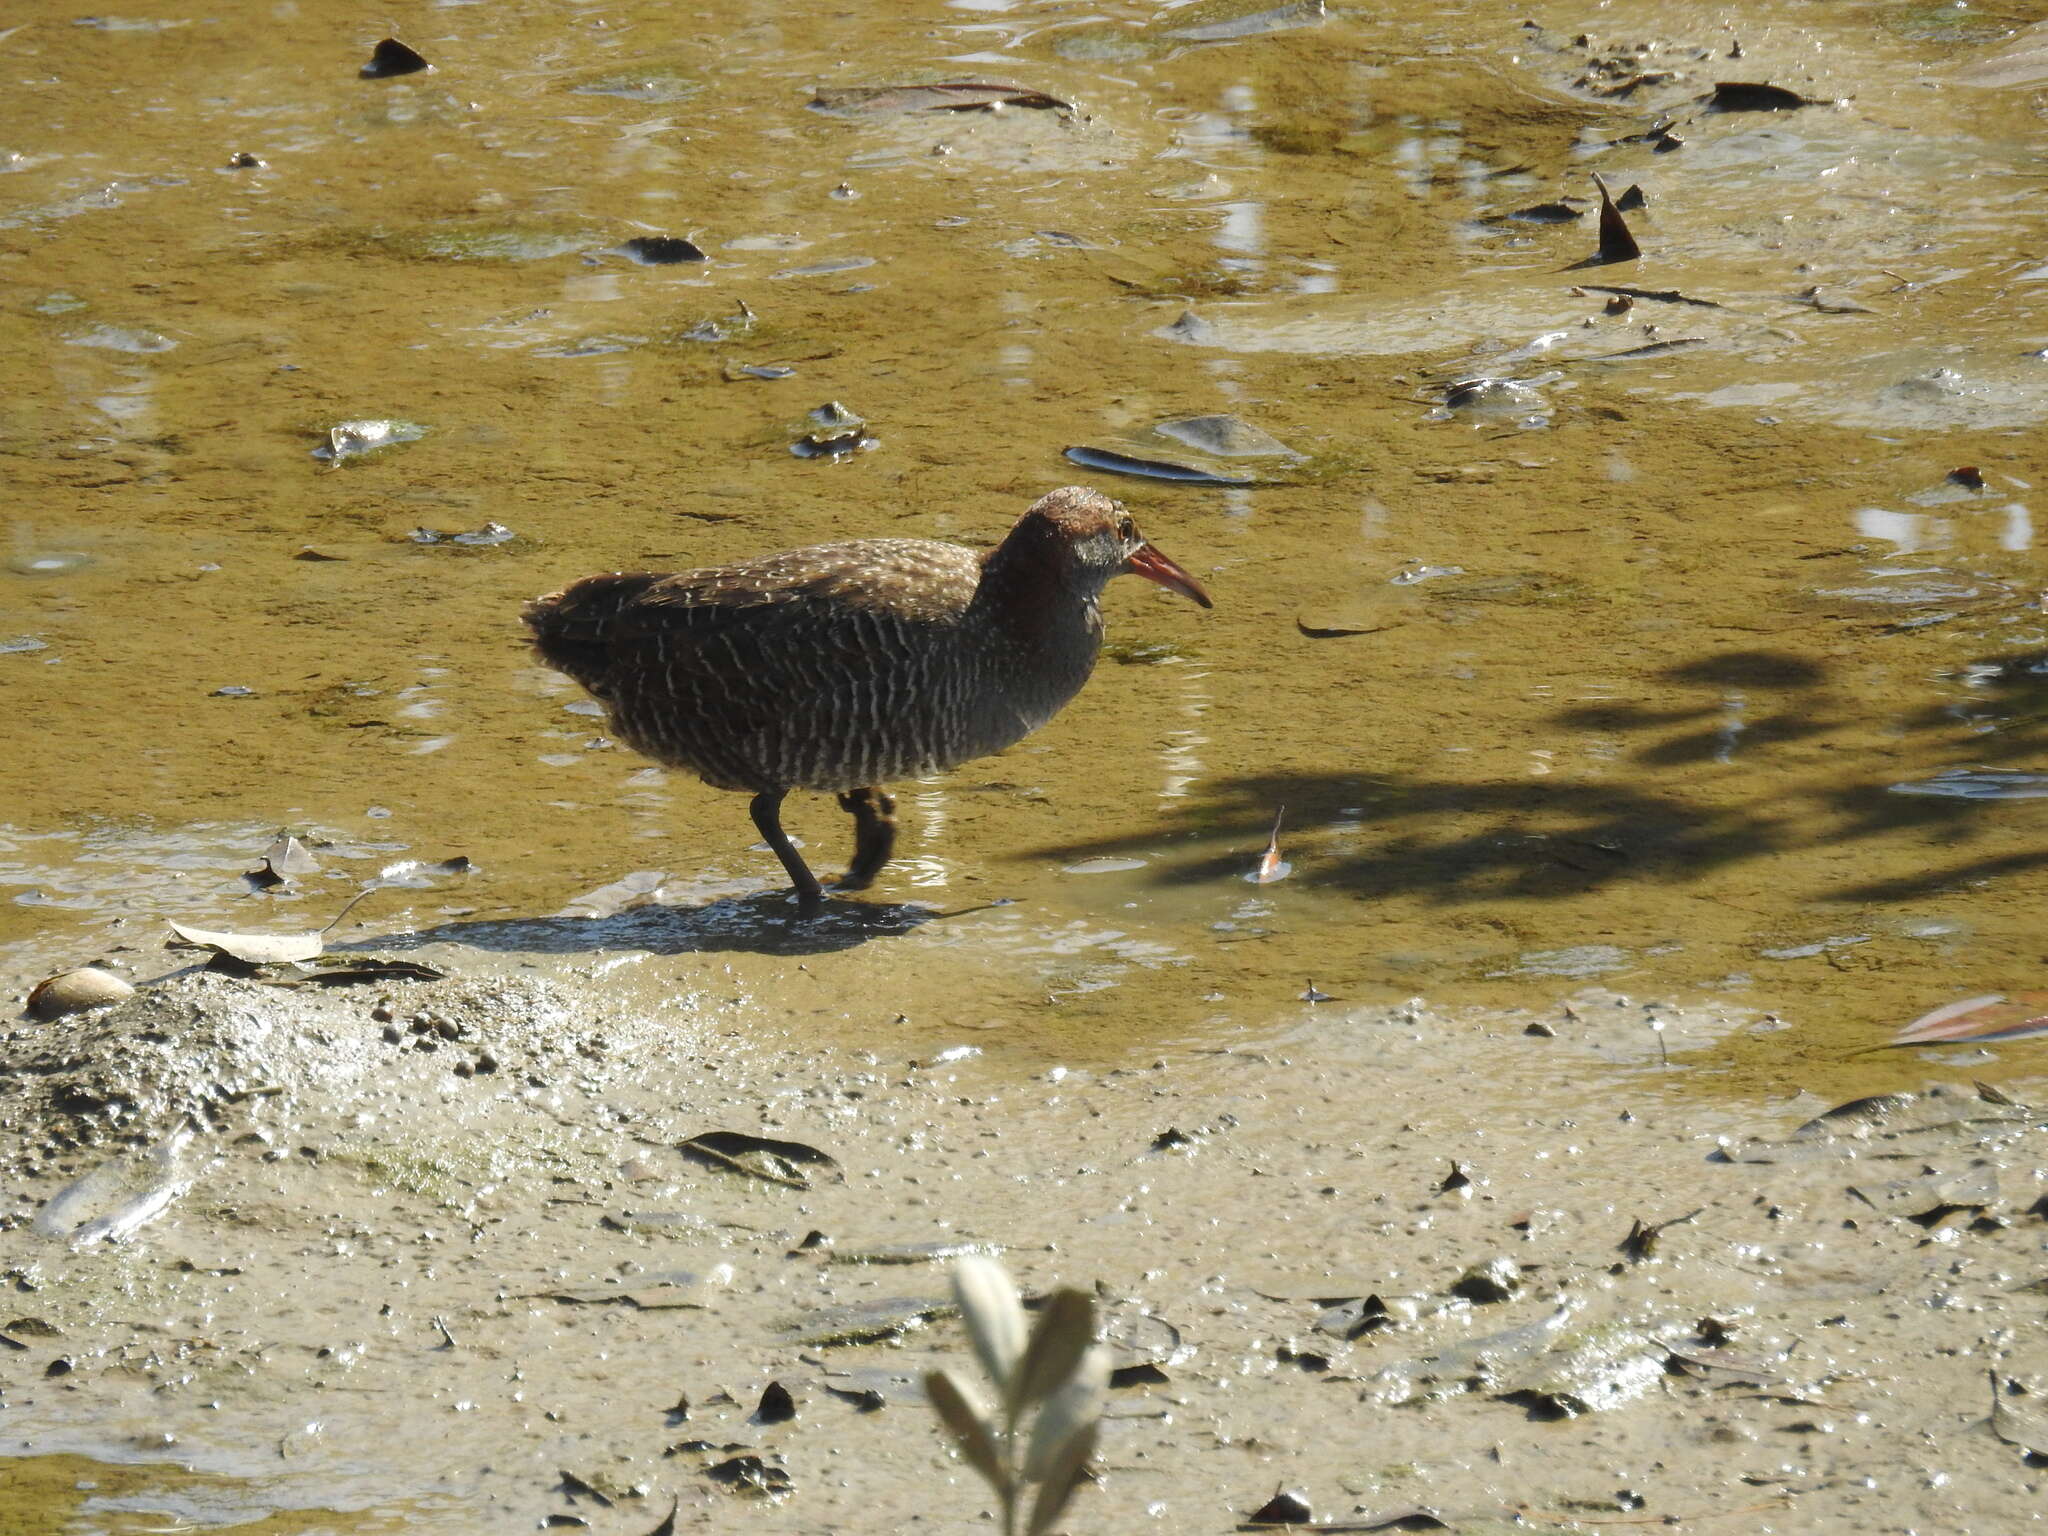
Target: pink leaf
point(1990, 1017)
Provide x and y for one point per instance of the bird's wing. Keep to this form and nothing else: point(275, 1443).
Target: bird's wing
point(740, 642)
point(913, 581)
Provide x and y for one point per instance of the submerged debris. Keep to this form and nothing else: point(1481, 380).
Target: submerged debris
point(834, 432)
point(356, 439)
point(654, 1291)
point(1195, 26)
point(866, 1321)
point(116, 1198)
point(474, 538)
point(1150, 469)
point(1229, 437)
point(944, 96)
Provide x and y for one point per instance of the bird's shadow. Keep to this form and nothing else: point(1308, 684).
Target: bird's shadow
point(764, 923)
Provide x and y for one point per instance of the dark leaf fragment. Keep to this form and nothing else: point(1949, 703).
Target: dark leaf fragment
point(1657, 295)
point(391, 58)
point(1333, 626)
point(661, 250)
point(1283, 1508)
point(576, 1488)
point(758, 1157)
point(1558, 212)
point(1751, 96)
point(1616, 243)
point(777, 1406)
point(1642, 1237)
point(1143, 1374)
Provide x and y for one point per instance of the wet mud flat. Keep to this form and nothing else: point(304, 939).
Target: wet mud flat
point(285, 1259)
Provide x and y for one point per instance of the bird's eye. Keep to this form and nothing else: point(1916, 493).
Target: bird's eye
point(1126, 529)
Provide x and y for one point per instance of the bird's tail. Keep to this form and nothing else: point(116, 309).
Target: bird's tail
point(573, 629)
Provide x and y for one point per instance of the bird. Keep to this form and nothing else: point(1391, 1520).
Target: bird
point(841, 667)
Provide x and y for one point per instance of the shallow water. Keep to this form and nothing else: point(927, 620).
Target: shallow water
point(1694, 614)
point(1688, 672)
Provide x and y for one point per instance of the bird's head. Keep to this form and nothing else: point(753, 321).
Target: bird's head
point(1093, 538)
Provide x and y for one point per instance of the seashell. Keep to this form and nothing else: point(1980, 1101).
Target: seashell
point(76, 991)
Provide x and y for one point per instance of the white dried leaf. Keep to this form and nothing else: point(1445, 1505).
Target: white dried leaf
point(253, 948)
point(993, 1314)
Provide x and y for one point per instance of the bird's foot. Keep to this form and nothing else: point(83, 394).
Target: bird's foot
point(874, 835)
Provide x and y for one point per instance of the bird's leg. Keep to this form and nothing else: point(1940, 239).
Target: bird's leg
point(874, 834)
point(766, 810)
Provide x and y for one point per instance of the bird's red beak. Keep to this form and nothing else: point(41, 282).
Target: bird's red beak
point(1149, 563)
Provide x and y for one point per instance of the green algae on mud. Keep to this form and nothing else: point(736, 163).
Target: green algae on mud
point(45, 1493)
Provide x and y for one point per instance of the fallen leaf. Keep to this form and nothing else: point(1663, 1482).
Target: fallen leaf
point(1150, 469)
point(1271, 866)
point(1616, 243)
point(252, 948)
point(758, 1157)
point(1992, 1016)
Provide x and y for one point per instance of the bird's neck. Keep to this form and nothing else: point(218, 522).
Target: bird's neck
point(1049, 622)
